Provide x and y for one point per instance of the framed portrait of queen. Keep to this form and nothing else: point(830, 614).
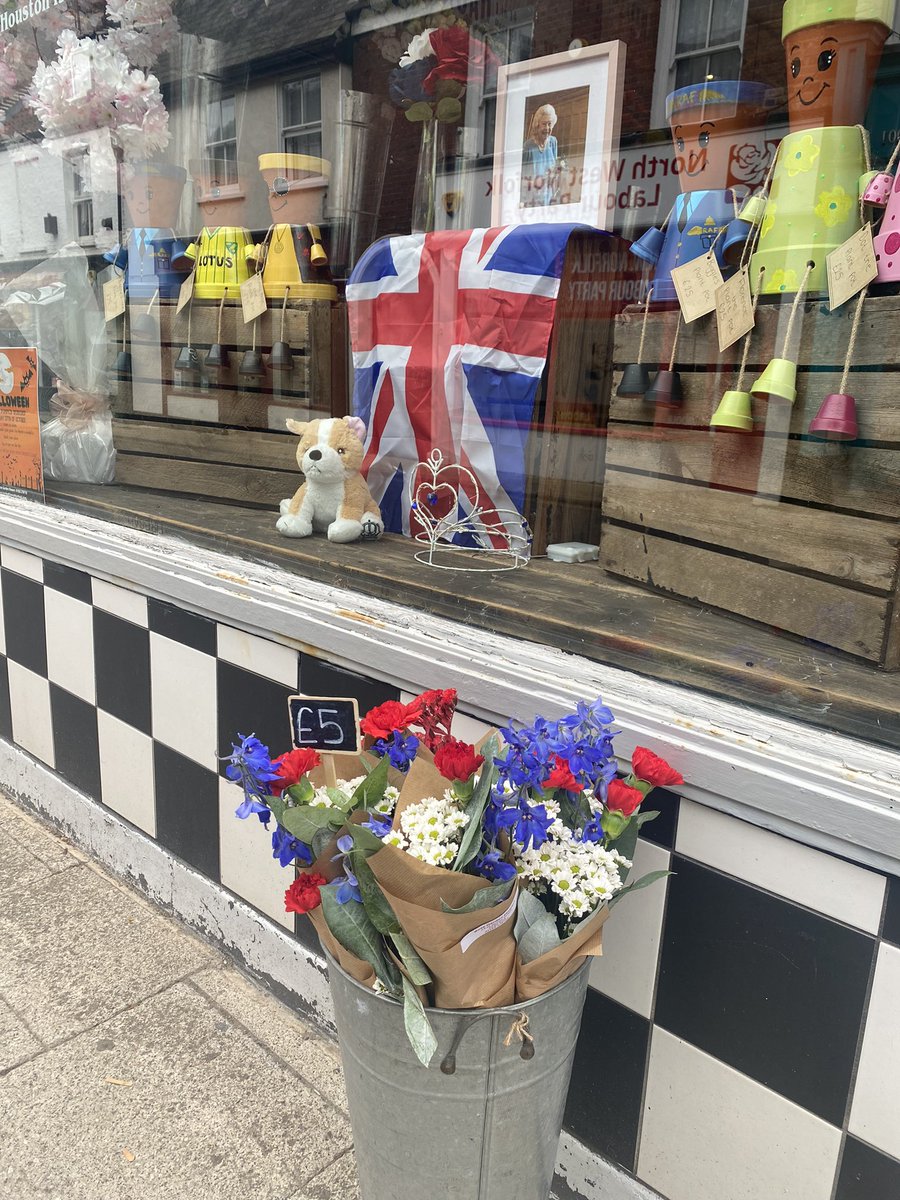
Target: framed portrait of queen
point(557, 137)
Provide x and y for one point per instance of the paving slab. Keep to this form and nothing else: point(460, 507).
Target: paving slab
point(17, 1042)
point(167, 1101)
point(27, 851)
point(337, 1182)
point(76, 947)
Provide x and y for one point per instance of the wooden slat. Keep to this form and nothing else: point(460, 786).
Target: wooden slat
point(247, 485)
point(824, 612)
point(853, 477)
point(239, 447)
point(204, 318)
point(876, 393)
point(161, 367)
point(851, 549)
point(823, 335)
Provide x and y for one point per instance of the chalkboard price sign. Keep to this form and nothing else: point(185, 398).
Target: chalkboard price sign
point(329, 726)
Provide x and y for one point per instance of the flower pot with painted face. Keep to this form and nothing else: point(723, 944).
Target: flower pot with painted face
point(150, 253)
point(708, 122)
point(220, 253)
point(293, 256)
point(832, 49)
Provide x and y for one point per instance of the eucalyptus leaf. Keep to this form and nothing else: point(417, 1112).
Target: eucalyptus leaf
point(364, 839)
point(529, 910)
point(338, 798)
point(625, 844)
point(305, 822)
point(415, 967)
point(644, 881)
point(418, 1027)
point(487, 897)
point(539, 938)
point(472, 836)
point(321, 840)
point(277, 806)
point(374, 899)
point(644, 817)
point(371, 790)
point(353, 928)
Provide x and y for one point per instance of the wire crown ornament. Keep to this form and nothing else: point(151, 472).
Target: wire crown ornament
point(501, 537)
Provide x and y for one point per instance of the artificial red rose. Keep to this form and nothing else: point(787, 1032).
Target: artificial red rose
point(459, 56)
point(623, 799)
point(652, 769)
point(561, 777)
point(457, 760)
point(291, 768)
point(303, 894)
point(381, 722)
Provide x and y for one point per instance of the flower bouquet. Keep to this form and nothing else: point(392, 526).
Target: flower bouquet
point(450, 875)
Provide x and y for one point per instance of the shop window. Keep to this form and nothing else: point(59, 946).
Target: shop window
point(221, 137)
point(699, 40)
point(301, 116)
point(82, 198)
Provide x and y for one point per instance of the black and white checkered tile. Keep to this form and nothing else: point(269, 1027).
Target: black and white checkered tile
point(740, 1036)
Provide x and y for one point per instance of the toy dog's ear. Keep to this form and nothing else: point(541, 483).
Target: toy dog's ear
point(298, 427)
point(357, 426)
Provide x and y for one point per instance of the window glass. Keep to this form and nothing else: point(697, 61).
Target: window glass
point(461, 227)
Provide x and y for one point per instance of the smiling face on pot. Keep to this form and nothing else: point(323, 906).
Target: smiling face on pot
point(703, 138)
point(830, 71)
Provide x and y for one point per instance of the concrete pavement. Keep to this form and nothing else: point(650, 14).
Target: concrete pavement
point(136, 1063)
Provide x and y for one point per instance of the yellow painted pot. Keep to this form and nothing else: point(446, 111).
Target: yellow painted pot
point(221, 262)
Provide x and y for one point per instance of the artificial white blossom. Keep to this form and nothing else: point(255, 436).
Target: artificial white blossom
point(418, 48)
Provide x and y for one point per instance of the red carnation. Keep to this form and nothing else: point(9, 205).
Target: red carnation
point(381, 722)
point(431, 715)
point(291, 768)
point(457, 760)
point(623, 799)
point(652, 769)
point(303, 894)
point(561, 777)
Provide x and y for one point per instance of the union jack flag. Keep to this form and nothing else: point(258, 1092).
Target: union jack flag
point(449, 333)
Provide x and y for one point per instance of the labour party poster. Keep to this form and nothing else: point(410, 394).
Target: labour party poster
point(20, 425)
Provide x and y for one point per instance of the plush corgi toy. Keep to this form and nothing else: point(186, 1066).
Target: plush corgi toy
point(335, 498)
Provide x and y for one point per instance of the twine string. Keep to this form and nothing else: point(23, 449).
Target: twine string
point(752, 241)
point(867, 152)
point(518, 1028)
point(851, 345)
point(675, 342)
point(287, 292)
point(795, 307)
point(640, 356)
point(219, 322)
point(747, 336)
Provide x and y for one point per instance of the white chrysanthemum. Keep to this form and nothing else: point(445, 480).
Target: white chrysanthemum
point(395, 838)
point(431, 828)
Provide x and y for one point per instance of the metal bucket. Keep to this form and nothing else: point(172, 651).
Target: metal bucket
point(483, 1121)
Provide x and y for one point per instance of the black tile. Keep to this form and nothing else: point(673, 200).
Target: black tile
point(75, 740)
point(187, 809)
point(866, 1174)
point(768, 987)
point(181, 626)
point(661, 829)
point(248, 703)
point(66, 579)
point(601, 1113)
point(122, 667)
point(319, 678)
point(23, 615)
point(891, 929)
point(305, 931)
point(5, 708)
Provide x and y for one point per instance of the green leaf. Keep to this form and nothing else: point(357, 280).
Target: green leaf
point(364, 839)
point(305, 822)
point(338, 798)
point(643, 817)
point(301, 792)
point(415, 967)
point(644, 881)
point(487, 897)
point(530, 910)
point(540, 937)
point(371, 791)
point(277, 806)
point(374, 899)
point(625, 844)
point(353, 928)
point(321, 840)
point(472, 836)
point(418, 1027)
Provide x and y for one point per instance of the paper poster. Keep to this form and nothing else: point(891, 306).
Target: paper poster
point(20, 425)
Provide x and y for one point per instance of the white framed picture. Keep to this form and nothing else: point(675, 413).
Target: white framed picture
point(557, 138)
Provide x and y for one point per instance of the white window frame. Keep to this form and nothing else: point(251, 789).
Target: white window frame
point(212, 149)
point(286, 131)
point(75, 165)
point(664, 79)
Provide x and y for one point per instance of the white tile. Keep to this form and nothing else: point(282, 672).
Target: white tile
point(626, 971)
point(183, 696)
point(126, 771)
point(246, 864)
point(825, 884)
point(70, 644)
point(130, 606)
point(22, 563)
point(876, 1098)
point(32, 723)
point(710, 1133)
point(256, 654)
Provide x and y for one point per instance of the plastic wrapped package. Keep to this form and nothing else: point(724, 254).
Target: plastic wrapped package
point(54, 307)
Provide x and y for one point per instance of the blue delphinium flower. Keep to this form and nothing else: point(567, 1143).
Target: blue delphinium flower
point(593, 831)
point(287, 849)
point(378, 824)
point(399, 749)
point(348, 888)
point(249, 762)
point(250, 805)
point(491, 865)
point(532, 825)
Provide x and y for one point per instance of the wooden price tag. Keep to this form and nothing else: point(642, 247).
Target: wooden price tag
point(253, 298)
point(734, 309)
point(695, 284)
point(113, 298)
point(851, 267)
point(184, 295)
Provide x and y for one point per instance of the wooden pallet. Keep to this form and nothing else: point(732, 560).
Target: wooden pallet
point(799, 534)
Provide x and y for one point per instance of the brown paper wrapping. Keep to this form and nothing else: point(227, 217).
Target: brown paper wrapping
point(482, 976)
point(544, 973)
point(324, 865)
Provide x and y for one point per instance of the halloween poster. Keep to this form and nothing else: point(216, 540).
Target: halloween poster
point(20, 426)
